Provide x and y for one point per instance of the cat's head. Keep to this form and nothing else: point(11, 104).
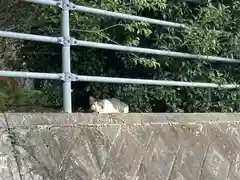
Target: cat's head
point(95, 105)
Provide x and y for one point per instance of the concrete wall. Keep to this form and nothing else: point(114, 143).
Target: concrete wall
point(119, 147)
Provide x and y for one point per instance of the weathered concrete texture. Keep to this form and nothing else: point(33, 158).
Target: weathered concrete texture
point(119, 147)
point(8, 163)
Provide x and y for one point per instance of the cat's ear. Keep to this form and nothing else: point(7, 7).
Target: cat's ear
point(92, 99)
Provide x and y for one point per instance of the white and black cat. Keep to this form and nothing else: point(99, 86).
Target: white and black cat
point(112, 105)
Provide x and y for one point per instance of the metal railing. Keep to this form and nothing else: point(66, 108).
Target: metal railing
point(67, 41)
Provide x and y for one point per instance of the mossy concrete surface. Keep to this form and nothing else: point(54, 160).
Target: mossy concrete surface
point(59, 146)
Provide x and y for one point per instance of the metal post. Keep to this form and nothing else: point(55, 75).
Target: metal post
point(66, 58)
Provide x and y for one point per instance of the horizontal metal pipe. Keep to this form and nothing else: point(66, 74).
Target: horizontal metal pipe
point(153, 82)
point(127, 16)
point(47, 2)
point(32, 75)
point(30, 37)
point(152, 51)
point(117, 15)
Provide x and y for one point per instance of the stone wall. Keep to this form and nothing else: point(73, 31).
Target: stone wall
point(119, 147)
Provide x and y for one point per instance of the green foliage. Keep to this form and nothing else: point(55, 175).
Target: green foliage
point(11, 99)
point(213, 30)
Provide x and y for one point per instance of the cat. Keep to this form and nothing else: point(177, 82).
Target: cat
point(112, 105)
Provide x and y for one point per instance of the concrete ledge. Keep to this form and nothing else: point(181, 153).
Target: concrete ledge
point(32, 119)
point(60, 146)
